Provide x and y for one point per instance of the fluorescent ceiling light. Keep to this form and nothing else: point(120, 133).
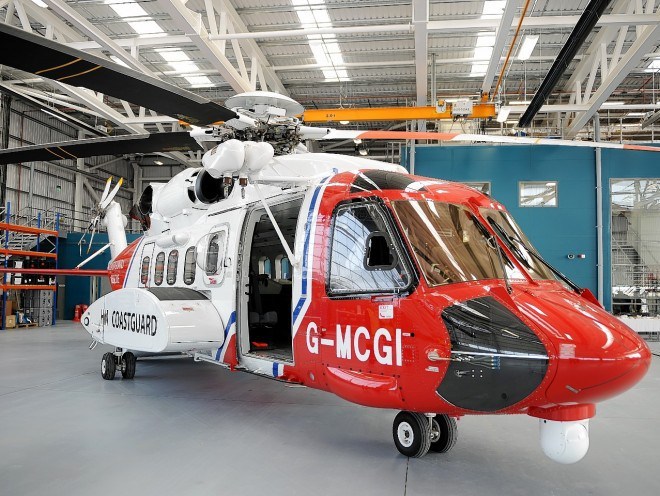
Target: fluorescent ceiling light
point(520, 102)
point(635, 114)
point(612, 104)
point(158, 162)
point(654, 66)
point(40, 4)
point(503, 114)
point(527, 47)
point(493, 9)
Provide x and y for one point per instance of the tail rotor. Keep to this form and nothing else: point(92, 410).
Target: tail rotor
point(99, 211)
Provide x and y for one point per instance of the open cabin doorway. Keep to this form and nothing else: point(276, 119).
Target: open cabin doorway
point(267, 279)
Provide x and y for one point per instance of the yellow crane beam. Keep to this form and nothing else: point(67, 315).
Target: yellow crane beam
point(479, 111)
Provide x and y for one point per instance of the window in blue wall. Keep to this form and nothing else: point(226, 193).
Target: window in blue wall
point(482, 186)
point(537, 193)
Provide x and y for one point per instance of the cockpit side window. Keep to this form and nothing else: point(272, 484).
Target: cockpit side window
point(364, 258)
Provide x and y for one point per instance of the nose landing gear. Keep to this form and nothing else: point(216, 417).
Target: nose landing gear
point(125, 362)
point(415, 433)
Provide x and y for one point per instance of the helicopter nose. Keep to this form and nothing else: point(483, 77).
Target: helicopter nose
point(598, 356)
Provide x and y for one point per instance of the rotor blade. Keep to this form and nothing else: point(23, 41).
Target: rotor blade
point(106, 202)
point(116, 145)
point(479, 138)
point(46, 58)
point(106, 190)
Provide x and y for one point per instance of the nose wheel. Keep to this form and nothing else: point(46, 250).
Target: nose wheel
point(125, 362)
point(415, 433)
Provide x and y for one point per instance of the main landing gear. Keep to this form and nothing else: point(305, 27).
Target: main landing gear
point(416, 433)
point(112, 361)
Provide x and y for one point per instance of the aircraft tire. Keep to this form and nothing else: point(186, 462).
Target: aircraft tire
point(128, 362)
point(445, 429)
point(412, 434)
point(108, 366)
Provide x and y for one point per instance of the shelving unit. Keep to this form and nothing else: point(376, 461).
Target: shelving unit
point(22, 242)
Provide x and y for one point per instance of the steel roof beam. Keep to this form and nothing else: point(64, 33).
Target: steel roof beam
point(94, 33)
point(240, 26)
point(605, 35)
point(420, 19)
point(452, 26)
point(500, 40)
point(647, 39)
point(191, 24)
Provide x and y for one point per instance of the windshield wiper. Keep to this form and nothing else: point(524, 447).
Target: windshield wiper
point(538, 257)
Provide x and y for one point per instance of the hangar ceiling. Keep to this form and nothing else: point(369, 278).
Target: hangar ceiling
point(362, 53)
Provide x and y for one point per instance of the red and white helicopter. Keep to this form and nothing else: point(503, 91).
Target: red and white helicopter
point(350, 276)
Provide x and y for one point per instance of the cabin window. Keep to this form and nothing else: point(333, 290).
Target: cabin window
point(265, 266)
point(210, 254)
point(286, 268)
point(363, 256)
point(282, 268)
point(172, 262)
point(189, 266)
point(144, 270)
point(160, 268)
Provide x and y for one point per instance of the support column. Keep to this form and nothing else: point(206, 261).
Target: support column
point(6, 114)
point(599, 211)
point(79, 223)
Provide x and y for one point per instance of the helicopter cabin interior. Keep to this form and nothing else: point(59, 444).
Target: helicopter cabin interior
point(268, 278)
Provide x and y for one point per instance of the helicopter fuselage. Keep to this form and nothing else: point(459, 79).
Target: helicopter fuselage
point(403, 292)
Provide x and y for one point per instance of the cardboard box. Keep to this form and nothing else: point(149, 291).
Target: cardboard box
point(10, 321)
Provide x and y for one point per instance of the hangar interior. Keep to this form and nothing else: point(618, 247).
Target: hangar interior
point(581, 70)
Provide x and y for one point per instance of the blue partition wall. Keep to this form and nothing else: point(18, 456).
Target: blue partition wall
point(568, 228)
point(78, 288)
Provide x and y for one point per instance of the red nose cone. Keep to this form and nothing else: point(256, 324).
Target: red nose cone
point(597, 356)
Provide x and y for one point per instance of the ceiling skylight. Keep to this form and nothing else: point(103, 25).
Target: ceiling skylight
point(313, 14)
point(146, 27)
point(482, 51)
point(127, 9)
point(180, 62)
point(493, 9)
point(654, 66)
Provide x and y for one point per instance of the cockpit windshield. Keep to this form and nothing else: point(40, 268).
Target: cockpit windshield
point(449, 243)
point(513, 237)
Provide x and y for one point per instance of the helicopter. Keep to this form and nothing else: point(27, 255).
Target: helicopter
point(339, 273)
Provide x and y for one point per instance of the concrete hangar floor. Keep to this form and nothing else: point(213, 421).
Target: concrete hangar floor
point(190, 428)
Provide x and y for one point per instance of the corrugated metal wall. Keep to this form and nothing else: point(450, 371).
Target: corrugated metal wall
point(50, 186)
